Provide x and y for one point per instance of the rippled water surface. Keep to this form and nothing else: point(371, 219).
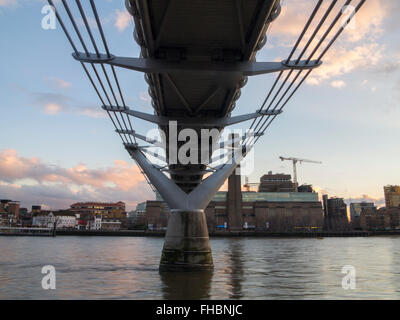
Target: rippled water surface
point(245, 268)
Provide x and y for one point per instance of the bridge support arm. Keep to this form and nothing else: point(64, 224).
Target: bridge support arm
point(198, 199)
point(167, 188)
point(148, 65)
point(229, 143)
point(201, 196)
point(237, 119)
point(130, 146)
point(194, 121)
point(154, 142)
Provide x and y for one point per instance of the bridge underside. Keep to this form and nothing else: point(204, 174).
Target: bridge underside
point(198, 31)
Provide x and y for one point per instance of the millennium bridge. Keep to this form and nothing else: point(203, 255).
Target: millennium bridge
point(196, 57)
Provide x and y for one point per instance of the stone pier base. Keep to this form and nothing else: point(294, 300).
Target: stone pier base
point(187, 245)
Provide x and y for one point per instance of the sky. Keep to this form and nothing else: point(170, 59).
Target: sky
point(57, 147)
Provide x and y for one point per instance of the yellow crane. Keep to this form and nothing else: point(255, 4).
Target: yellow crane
point(295, 161)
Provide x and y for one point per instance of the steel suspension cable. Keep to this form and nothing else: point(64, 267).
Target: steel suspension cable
point(321, 22)
point(117, 83)
point(341, 29)
point(304, 29)
point(60, 21)
point(109, 55)
point(78, 3)
point(123, 137)
point(307, 25)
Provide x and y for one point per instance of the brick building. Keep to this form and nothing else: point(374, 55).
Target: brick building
point(86, 211)
point(335, 214)
point(278, 182)
point(9, 212)
point(280, 211)
point(392, 196)
point(380, 219)
point(374, 219)
point(355, 212)
point(237, 210)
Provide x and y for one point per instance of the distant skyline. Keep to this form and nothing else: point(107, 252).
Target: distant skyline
point(57, 147)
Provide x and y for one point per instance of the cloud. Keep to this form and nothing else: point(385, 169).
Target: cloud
point(379, 202)
point(122, 19)
point(59, 197)
point(321, 191)
point(357, 47)
point(340, 61)
point(338, 84)
point(14, 167)
point(368, 22)
point(55, 103)
point(52, 108)
point(144, 96)
point(36, 182)
point(91, 112)
point(59, 83)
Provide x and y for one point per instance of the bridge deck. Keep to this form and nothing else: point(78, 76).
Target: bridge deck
point(199, 30)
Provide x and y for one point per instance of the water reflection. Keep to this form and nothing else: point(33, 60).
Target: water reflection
point(245, 268)
point(236, 268)
point(186, 285)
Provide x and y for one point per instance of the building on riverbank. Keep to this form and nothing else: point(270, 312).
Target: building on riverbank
point(392, 196)
point(61, 219)
point(137, 218)
point(274, 211)
point(380, 219)
point(374, 219)
point(355, 212)
point(278, 182)
point(237, 210)
point(9, 212)
point(87, 211)
point(108, 210)
point(110, 225)
point(335, 214)
point(105, 224)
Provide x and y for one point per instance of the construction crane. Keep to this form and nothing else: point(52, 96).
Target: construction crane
point(295, 161)
point(248, 184)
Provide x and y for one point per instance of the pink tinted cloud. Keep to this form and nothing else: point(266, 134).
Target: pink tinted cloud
point(122, 20)
point(294, 15)
point(6, 3)
point(122, 181)
point(358, 46)
point(59, 83)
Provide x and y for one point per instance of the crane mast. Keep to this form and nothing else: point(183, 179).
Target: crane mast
point(295, 161)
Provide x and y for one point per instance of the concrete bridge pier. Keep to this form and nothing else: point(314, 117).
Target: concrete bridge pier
point(187, 244)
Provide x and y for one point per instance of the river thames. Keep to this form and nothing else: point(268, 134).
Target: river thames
point(245, 268)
